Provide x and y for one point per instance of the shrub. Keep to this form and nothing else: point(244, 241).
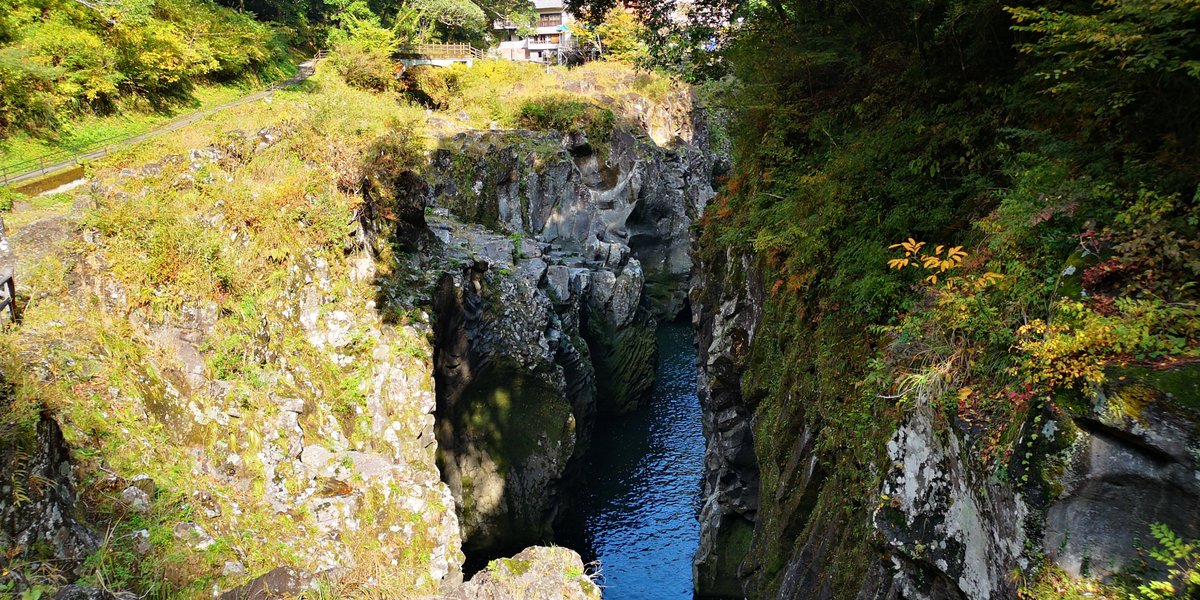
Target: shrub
point(652, 86)
point(61, 57)
point(399, 150)
point(8, 197)
point(364, 68)
point(27, 98)
point(432, 86)
point(1182, 559)
point(565, 113)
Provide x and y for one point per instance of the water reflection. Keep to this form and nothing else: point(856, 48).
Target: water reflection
point(637, 513)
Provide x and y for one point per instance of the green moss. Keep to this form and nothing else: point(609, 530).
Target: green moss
point(719, 576)
point(624, 360)
point(660, 286)
point(1136, 386)
point(1071, 284)
point(510, 566)
point(515, 415)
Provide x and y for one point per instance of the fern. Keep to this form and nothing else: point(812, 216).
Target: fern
point(1182, 558)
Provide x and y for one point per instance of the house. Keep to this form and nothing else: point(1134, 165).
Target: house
point(551, 39)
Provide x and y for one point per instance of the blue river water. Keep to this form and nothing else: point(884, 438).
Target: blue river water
point(636, 514)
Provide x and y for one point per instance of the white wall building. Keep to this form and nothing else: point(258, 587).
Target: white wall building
point(550, 41)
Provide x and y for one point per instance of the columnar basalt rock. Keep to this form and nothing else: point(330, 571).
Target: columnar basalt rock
point(37, 501)
point(727, 308)
point(574, 192)
point(517, 389)
point(545, 309)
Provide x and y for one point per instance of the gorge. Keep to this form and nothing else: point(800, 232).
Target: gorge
point(851, 304)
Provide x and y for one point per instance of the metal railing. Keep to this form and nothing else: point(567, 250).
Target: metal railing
point(58, 159)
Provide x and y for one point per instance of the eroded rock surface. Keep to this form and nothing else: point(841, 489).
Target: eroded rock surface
point(726, 311)
point(555, 253)
point(1135, 460)
point(1089, 474)
point(517, 381)
point(37, 502)
point(537, 573)
point(951, 528)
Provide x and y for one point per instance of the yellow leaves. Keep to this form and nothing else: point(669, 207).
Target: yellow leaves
point(911, 247)
point(965, 393)
point(939, 262)
point(991, 278)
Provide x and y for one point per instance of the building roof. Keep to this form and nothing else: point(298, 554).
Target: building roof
point(544, 4)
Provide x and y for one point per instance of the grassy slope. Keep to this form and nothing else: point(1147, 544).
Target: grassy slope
point(88, 130)
point(117, 393)
point(81, 75)
point(238, 238)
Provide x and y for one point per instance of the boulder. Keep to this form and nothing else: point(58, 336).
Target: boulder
point(1134, 462)
point(536, 573)
point(278, 583)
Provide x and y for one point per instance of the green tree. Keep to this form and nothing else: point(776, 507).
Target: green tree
point(620, 36)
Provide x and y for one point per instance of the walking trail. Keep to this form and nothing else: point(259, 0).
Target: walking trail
point(306, 69)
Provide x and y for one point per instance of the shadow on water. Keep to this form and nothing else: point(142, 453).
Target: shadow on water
point(640, 494)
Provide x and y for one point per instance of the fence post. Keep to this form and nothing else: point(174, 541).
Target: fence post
point(12, 297)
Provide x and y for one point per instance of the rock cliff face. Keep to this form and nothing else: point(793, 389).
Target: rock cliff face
point(329, 453)
point(239, 352)
point(726, 309)
point(556, 253)
point(1101, 474)
point(1087, 481)
point(37, 501)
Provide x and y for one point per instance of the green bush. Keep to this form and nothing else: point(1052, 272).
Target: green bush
point(59, 58)
point(435, 87)
point(364, 68)
point(8, 197)
point(566, 113)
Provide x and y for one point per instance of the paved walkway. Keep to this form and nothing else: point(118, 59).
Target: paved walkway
point(306, 69)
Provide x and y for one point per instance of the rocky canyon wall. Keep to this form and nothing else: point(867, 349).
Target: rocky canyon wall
point(309, 357)
point(557, 255)
point(1087, 479)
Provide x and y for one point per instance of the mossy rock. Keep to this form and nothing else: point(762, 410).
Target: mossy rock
point(624, 358)
point(1137, 386)
point(514, 415)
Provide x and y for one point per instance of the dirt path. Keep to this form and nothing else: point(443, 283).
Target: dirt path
point(306, 69)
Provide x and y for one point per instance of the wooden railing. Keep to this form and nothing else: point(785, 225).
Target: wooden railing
point(442, 51)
